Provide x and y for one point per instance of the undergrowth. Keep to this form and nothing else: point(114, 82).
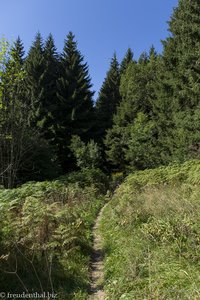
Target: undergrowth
point(45, 234)
point(151, 235)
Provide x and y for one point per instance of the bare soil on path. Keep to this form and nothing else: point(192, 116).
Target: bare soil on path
point(96, 266)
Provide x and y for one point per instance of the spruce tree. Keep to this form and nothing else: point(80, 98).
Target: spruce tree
point(74, 113)
point(109, 98)
point(128, 58)
point(133, 116)
point(35, 69)
point(181, 53)
point(40, 85)
point(50, 101)
point(178, 86)
point(137, 88)
point(17, 52)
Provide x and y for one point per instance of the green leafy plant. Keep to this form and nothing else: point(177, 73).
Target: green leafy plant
point(87, 155)
point(45, 236)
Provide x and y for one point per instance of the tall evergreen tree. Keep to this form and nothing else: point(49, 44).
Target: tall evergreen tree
point(50, 101)
point(178, 86)
point(109, 98)
point(39, 90)
point(128, 58)
point(134, 113)
point(137, 88)
point(181, 53)
point(17, 52)
point(35, 69)
point(74, 113)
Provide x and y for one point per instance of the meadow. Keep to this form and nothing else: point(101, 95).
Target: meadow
point(151, 235)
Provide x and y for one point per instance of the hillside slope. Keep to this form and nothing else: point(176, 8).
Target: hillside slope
point(151, 231)
point(46, 235)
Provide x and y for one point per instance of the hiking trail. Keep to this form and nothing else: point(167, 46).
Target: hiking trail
point(96, 265)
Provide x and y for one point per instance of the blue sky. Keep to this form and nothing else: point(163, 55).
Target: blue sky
point(101, 26)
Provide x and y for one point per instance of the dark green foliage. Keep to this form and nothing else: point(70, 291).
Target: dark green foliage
point(109, 97)
point(152, 103)
point(17, 52)
point(74, 112)
point(186, 136)
point(128, 58)
point(165, 89)
point(142, 149)
point(138, 95)
point(182, 51)
point(42, 69)
point(24, 155)
point(116, 145)
point(34, 83)
point(50, 101)
point(178, 86)
point(88, 177)
point(138, 88)
point(39, 162)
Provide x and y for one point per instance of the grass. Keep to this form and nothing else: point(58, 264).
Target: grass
point(151, 231)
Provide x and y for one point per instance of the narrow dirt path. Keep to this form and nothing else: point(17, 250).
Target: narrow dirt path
point(97, 274)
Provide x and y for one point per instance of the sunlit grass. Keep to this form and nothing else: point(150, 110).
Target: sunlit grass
point(151, 232)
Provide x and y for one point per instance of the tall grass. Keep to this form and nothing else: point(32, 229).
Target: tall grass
point(151, 231)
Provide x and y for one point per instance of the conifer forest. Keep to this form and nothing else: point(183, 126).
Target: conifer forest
point(111, 179)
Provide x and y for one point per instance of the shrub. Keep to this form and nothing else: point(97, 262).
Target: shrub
point(87, 155)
